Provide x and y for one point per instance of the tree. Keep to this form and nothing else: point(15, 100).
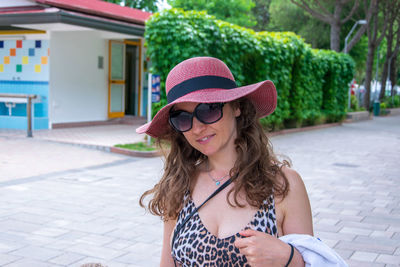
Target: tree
point(145, 5)
point(261, 14)
point(361, 30)
point(316, 33)
point(376, 27)
point(282, 16)
point(359, 54)
point(322, 10)
point(394, 74)
point(234, 11)
point(392, 13)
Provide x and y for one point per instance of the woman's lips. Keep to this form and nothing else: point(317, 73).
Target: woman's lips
point(205, 139)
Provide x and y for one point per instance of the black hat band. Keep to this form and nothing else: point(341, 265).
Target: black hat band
point(199, 83)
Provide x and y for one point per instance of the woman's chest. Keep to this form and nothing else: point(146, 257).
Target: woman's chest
point(197, 242)
point(222, 219)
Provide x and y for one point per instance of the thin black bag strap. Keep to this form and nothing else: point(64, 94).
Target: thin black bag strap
point(179, 226)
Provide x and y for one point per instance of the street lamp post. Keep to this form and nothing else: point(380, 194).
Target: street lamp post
point(361, 22)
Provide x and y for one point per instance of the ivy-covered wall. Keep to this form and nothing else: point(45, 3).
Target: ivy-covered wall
point(312, 84)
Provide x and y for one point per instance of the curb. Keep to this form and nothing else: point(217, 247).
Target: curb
point(108, 149)
point(304, 129)
point(394, 111)
point(358, 116)
point(112, 149)
point(133, 153)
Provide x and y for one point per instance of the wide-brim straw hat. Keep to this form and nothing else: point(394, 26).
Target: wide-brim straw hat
point(207, 80)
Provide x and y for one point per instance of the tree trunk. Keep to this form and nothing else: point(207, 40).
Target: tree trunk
point(393, 73)
point(383, 79)
point(335, 27)
point(335, 36)
point(373, 42)
point(368, 75)
point(385, 67)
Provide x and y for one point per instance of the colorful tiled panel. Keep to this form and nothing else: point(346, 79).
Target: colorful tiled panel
point(24, 69)
point(24, 60)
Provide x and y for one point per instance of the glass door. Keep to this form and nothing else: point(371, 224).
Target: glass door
point(116, 79)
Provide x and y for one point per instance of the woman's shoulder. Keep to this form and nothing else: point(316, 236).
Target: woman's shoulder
point(293, 181)
point(294, 208)
point(293, 177)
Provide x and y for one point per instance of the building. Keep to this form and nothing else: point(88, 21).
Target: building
point(82, 58)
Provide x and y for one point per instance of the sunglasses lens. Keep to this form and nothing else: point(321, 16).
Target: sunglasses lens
point(181, 120)
point(205, 113)
point(209, 113)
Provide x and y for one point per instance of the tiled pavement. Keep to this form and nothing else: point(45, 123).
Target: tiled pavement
point(65, 205)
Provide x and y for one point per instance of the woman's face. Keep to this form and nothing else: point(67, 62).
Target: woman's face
point(212, 139)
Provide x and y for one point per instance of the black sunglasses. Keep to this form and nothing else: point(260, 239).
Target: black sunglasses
point(207, 113)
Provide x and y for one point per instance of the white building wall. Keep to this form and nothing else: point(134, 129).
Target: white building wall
point(78, 88)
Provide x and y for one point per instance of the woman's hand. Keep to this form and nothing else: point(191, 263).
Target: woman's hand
point(262, 249)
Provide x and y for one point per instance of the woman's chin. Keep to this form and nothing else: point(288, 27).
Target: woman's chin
point(207, 152)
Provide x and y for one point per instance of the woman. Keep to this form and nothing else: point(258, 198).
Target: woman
point(213, 129)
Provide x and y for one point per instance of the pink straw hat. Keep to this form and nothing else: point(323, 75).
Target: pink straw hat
point(207, 80)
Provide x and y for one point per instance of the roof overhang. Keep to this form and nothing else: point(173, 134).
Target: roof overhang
point(56, 15)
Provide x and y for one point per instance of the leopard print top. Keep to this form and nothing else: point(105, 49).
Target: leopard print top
point(196, 246)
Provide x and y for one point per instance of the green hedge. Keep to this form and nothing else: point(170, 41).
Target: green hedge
point(312, 84)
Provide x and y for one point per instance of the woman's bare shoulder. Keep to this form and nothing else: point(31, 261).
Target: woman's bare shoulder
point(295, 206)
point(295, 184)
point(293, 177)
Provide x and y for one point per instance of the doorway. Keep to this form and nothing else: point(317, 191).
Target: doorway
point(131, 81)
point(124, 93)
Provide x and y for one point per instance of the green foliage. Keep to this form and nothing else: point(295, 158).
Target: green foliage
point(233, 11)
point(261, 14)
point(339, 72)
point(383, 111)
point(312, 84)
point(392, 102)
point(286, 16)
point(358, 53)
point(140, 146)
point(354, 105)
point(145, 5)
point(277, 62)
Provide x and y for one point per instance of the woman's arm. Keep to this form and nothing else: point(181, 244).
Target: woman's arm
point(296, 210)
point(166, 258)
point(262, 249)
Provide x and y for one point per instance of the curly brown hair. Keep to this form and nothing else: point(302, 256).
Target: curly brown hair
point(257, 166)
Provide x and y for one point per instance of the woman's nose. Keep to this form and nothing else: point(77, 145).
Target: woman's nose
point(197, 126)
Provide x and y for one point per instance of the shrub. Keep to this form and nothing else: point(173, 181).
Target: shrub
point(392, 102)
point(312, 84)
point(354, 106)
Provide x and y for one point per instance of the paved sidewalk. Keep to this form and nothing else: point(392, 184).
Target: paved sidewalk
point(65, 205)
